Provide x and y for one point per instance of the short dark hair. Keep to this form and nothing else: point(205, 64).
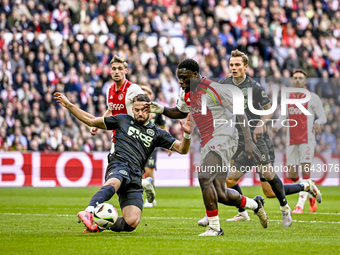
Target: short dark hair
point(189, 64)
point(236, 53)
point(141, 98)
point(300, 71)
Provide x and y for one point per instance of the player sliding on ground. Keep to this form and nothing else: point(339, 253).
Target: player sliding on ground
point(136, 138)
point(218, 142)
point(119, 97)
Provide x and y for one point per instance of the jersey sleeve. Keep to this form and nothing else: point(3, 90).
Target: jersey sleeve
point(131, 92)
point(165, 140)
point(111, 122)
point(181, 104)
point(319, 111)
point(160, 120)
point(260, 95)
point(107, 97)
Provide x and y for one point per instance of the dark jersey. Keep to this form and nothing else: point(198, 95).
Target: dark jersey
point(260, 99)
point(158, 119)
point(135, 142)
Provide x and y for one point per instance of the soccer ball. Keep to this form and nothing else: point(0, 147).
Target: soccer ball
point(105, 215)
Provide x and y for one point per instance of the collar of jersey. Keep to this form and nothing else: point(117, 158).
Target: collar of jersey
point(232, 79)
point(121, 89)
point(198, 91)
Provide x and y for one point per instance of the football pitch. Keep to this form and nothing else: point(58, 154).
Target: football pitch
point(43, 221)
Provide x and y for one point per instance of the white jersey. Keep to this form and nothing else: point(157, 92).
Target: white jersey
point(120, 101)
point(303, 131)
point(217, 122)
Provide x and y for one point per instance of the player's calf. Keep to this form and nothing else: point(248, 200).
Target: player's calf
point(122, 225)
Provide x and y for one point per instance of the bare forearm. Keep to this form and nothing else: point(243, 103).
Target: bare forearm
point(245, 127)
point(174, 113)
point(86, 117)
point(184, 146)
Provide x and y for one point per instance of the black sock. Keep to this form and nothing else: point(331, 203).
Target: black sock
point(278, 189)
point(104, 194)
point(293, 188)
point(121, 225)
point(238, 188)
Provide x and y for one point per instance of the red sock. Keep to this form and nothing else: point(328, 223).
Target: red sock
point(306, 176)
point(243, 203)
point(295, 179)
point(212, 213)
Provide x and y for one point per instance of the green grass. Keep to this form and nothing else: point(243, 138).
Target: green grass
point(43, 221)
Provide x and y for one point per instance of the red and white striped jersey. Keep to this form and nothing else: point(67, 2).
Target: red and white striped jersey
point(303, 131)
point(120, 101)
point(218, 119)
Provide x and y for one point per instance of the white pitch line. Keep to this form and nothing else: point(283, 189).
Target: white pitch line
point(226, 210)
point(158, 218)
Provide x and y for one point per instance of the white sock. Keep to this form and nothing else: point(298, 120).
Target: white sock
point(214, 223)
point(285, 208)
point(90, 209)
point(298, 181)
point(145, 182)
point(251, 204)
point(302, 199)
point(310, 196)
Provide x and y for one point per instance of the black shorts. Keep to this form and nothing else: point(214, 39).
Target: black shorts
point(243, 163)
point(131, 190)
point(270, 146)
point(152, 160)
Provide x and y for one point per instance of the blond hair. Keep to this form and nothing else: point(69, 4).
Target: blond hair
point(117, 59)
point(237, 53)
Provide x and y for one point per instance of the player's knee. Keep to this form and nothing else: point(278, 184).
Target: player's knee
point(133, 221)
point(231, 182)
point(269, 194)
point(205, 183)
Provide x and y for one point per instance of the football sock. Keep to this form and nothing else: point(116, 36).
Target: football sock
point(144, 183)
point(104, 194)
point(121, 225)
point(277, 188)
point(293, 188)
point(214, 221)
point(302, 199)
point(239, 190)
point(248, 203)
point(90, 209)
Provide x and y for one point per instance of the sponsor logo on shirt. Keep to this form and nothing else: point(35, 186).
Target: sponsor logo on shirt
point(116, 106)
point(135, 133)
point(293, 110)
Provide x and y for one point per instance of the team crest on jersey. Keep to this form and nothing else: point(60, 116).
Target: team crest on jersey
point(123, 172)
point(245, 91)
point(264, 94)
point(150, 132)
point(199, 101)
point(121, 96)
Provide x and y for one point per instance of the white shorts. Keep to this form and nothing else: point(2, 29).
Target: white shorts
point(224, 146)
point(300, 153)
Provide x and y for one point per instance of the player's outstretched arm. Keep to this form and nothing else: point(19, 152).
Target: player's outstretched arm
point(183, 146)
point(173, 113)
point(83, 116)
point(94, 130)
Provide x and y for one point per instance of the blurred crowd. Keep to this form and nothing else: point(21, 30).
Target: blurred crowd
point(66, 46)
